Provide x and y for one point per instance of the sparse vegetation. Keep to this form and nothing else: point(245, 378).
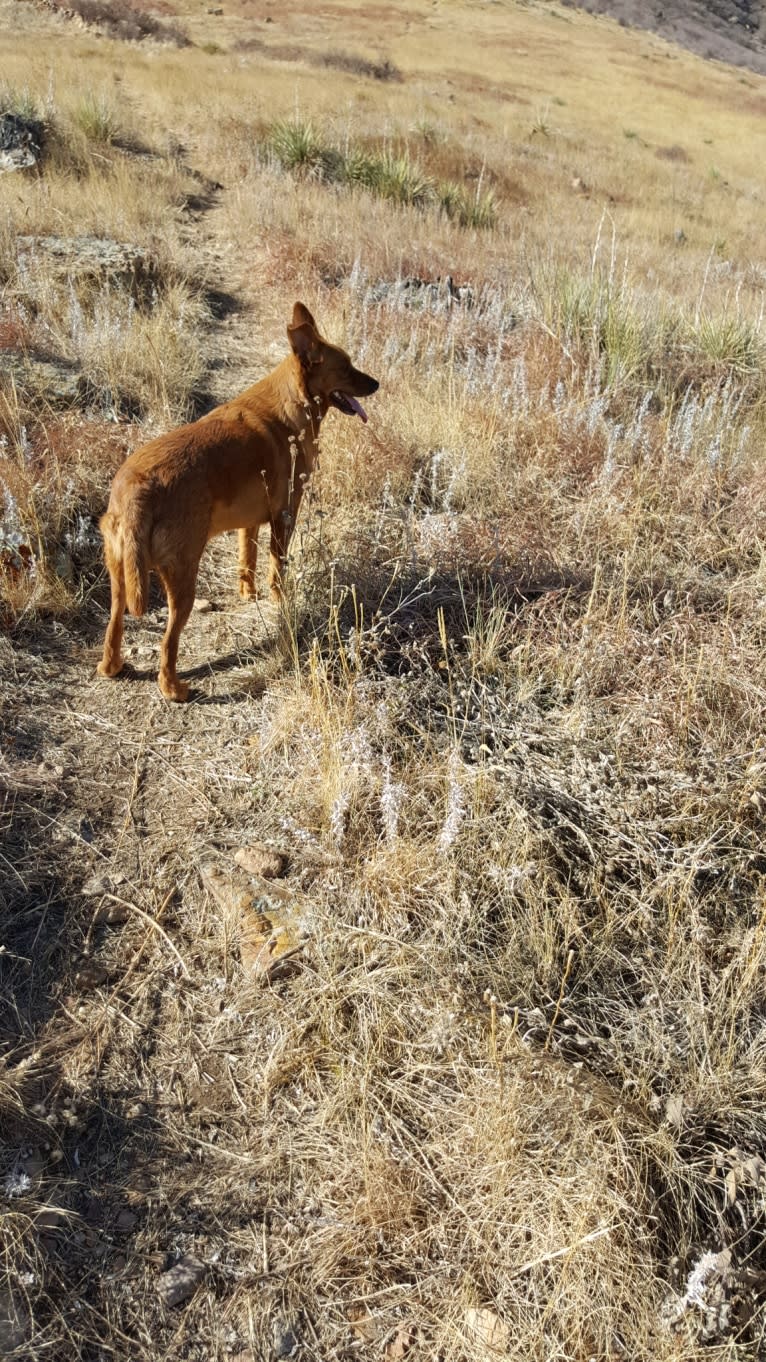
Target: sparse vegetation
point(124, 20)
point(96, 118)
point(297, 146)
point(505, 1088)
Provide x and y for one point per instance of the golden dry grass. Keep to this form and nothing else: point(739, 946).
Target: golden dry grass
point(507, 1098)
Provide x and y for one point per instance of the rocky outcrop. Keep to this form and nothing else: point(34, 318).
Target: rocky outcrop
point(21, 142)
point(81, 260)
point(45, 378)
point(733, 31)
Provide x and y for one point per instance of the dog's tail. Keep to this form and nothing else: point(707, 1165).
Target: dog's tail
point(127, 553)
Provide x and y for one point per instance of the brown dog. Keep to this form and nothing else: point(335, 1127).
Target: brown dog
point(242, 466)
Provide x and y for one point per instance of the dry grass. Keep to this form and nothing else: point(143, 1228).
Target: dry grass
point(508, 730)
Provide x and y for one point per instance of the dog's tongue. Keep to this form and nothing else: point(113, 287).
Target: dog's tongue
point(356, 407)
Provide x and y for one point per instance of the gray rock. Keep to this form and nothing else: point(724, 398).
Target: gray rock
point(285, 1340)
point(54, 380)
point(180, 1282)
point(81, 260)
point(14, 1320)
point(21, 142)
point(429, 295)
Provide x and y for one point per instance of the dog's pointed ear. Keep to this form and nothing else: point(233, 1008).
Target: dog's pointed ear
point(302, 335)
point(305, 344)
point(302, 316)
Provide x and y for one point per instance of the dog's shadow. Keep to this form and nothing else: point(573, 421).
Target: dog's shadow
point(250, 687)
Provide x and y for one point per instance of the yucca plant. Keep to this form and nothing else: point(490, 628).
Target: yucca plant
point(296, 144)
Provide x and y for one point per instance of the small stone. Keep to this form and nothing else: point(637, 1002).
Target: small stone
point(97, 884)
point(285, 1341)
point(486, 1330)
point(15, 1323)
point(112, 914)
point(202, 605)
point(261, 860)
point(181, 1281)
point(125, 1222)
point(50, 1219)
point(91, 974)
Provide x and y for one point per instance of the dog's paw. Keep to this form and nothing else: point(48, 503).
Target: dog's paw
point(248, 590)
point(174, 690)
point(111, 668)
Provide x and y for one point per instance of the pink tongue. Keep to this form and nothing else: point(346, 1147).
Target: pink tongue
point(356, 407)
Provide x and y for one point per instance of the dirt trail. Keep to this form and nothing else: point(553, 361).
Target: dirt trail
point(122, 785)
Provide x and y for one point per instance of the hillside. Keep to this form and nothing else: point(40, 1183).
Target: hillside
point(401, 995)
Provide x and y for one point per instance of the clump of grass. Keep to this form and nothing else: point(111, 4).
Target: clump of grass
point(469, 210)
point(22, 102)
point(97, 119)
point(299, 147)
point(735, 344)
point(389, 176)
point(597, 314)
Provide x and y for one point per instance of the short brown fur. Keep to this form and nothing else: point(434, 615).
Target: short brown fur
point(243, 465)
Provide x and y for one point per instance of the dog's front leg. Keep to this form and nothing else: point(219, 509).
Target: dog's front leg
point(248, 562)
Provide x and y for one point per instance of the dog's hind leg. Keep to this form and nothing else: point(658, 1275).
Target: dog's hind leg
point(111, 663)
point(248, 561)
point(179, 582)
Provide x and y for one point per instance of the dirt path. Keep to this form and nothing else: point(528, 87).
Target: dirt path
point(117, 969)
point(114, 785)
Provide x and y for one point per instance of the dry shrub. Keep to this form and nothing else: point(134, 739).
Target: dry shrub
point(122, 19)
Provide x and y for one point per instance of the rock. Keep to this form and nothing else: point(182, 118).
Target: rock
point(125, 1222)
point(44, 378)
point(579, 186)
point(112, 914)
point(180, 1282)
point(486, 1330)
point(285, 1341)
point(82, 260)
point(14, 1320)
point(21, 142)
point(202, 606)
point(91, 974)
point(679, 236)
point(428, 295)
point(261, 860)
point(97, 884)
point(50, 1219)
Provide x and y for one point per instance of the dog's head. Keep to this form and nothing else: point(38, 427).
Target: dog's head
point(329, 377)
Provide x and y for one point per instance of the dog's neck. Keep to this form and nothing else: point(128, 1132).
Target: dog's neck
point(301, 412)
